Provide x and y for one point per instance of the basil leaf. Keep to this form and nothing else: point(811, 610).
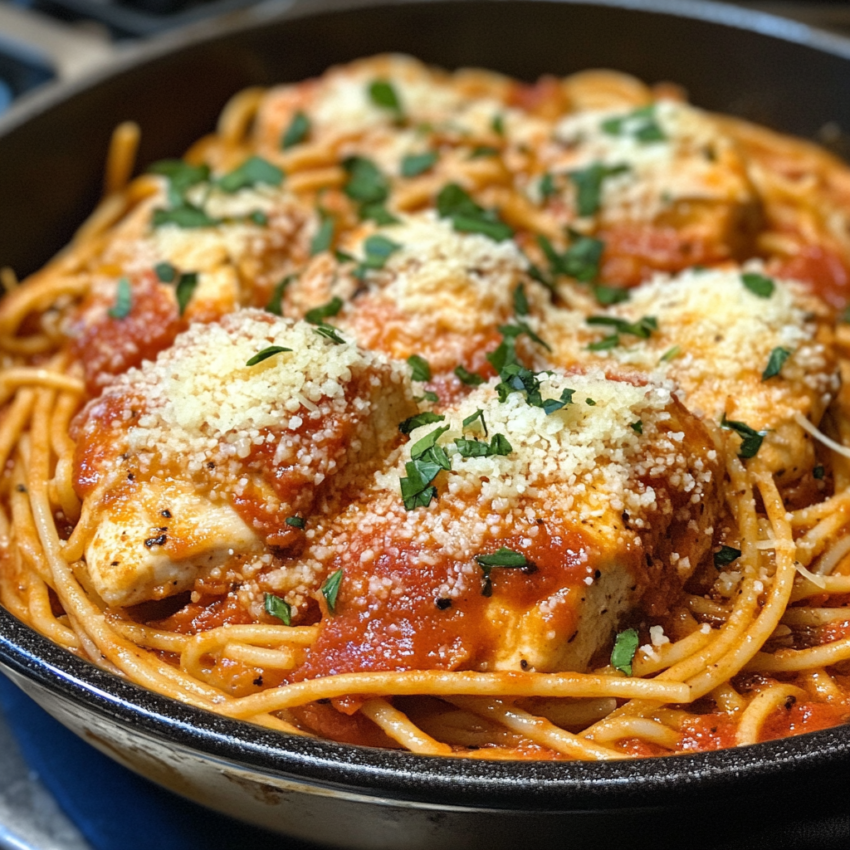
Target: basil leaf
point(497, 125)
point(254, 170)
point(275, 304)
point(642, 328)
point(323, 238)
point(499, 445)
point(377, 213)
point(608, 295)
point(186, 287)
point(580, 261)
point(758, 284)
point(520, 301)
point(123, 300)
point(278, 607)
point(725, 556)
point(317, 315)
point(416, 489)
point(467, 217)
point(623, 653)
point(501, 559)
point(471, 379)
point(427, 396)
point(296, 132)
point(417, 421)
point(258, 217)
point(520, 328)
point(329, 332)
point(185, 215)
point(428, 442)
point(365, 181)
point(590, 402)
point(670, 354)
point(547, 186)
point(775, 363)
point(751, 440)
point(266, 353)
point(551, 404)
point(420, 368)
point(476, 420)
point(181, 176)
point(378, 250)
point(640, 124)
point(330, 589)
point(637, 427)
point(382, 93)
point(418, 163)
point(604, 344)
point(295, 521)
point(165, 272)
point(482, 151)
point(588, 182)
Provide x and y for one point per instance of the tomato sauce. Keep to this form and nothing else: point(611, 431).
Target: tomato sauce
point(408, 622)
point(108, 346)
point(801, 717)
point(823, 270)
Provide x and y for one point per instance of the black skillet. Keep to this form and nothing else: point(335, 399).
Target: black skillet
point(785, 794)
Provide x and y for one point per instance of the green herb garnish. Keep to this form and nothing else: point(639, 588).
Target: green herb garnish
point(296, 132)
point(725, 556)
point(329, 332)
point(471, 379)
point(165, 272)
point(420, 368)
point(330, 589)
point(580, 261)
point(295, 521)
point(520, 301)
point(588, 182)
point(476, 420)
point(751, 440)
point(623, 653)
point(640, 124)
point(758, 284)
point(418, 163)
point(608, 295)
point(670, 354)
point(275, 304)
point(186, 287)
point(323, 238)
point(254, 170)
point(417, 421)
point(123, 300)
point(775, 363)
point(317, 315)
point(366, 183)
point(266, 353)
point(501, 559)
point(278, 607)
point(637, 427)
point(382, 93)
point(185, 215)
point(378, 250)
point(467, 217)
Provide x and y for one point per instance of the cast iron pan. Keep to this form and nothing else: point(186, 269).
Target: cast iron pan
point(51, 157)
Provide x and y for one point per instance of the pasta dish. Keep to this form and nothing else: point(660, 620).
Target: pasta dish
point(444, 412)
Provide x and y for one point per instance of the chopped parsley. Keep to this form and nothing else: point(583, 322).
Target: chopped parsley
point(165, 272)
point(498, 446)
point(323, 238)
point(640, 124)
point(608, 295)
point(482, 151)
point(637, 427)
point(330, 589)
point(377, 213)
point(184, 215)
point(590, 402)
point(428, 395)
point(758, 284)
point(417, 421)
point(295, 521)
point(317, 315)
point(751, 439)
point(254, 170)
point(775, 363)
point(275, 304)
point(466, 216)
point(471, 379)
point(670, 354)
point(123, 300)
point(547, 186)
point(415, 164)
point(181, 177)
point(642, 328)
point(588, 182)
point(420, 368)
point(186, 287)
point(278, 607)
point(366, 183)
point(580, 261)
point(382, 93)
point(378, 250)
point(520, 301)
point(296, 132)
point(266, 353)
point(550, 405)
point(476, 420)
point(501, 559)
point(497, 125)
point(725, 555)
point(329, 332)
point(623, 653)
point(604, 344)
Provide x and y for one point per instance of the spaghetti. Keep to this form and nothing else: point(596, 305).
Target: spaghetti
point(443, 412)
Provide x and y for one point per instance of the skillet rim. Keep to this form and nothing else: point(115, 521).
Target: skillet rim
point(416, 780)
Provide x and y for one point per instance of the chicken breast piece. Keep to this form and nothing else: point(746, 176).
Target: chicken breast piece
point(202, 456)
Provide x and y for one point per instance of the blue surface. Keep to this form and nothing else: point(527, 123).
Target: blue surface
point(110, 805)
